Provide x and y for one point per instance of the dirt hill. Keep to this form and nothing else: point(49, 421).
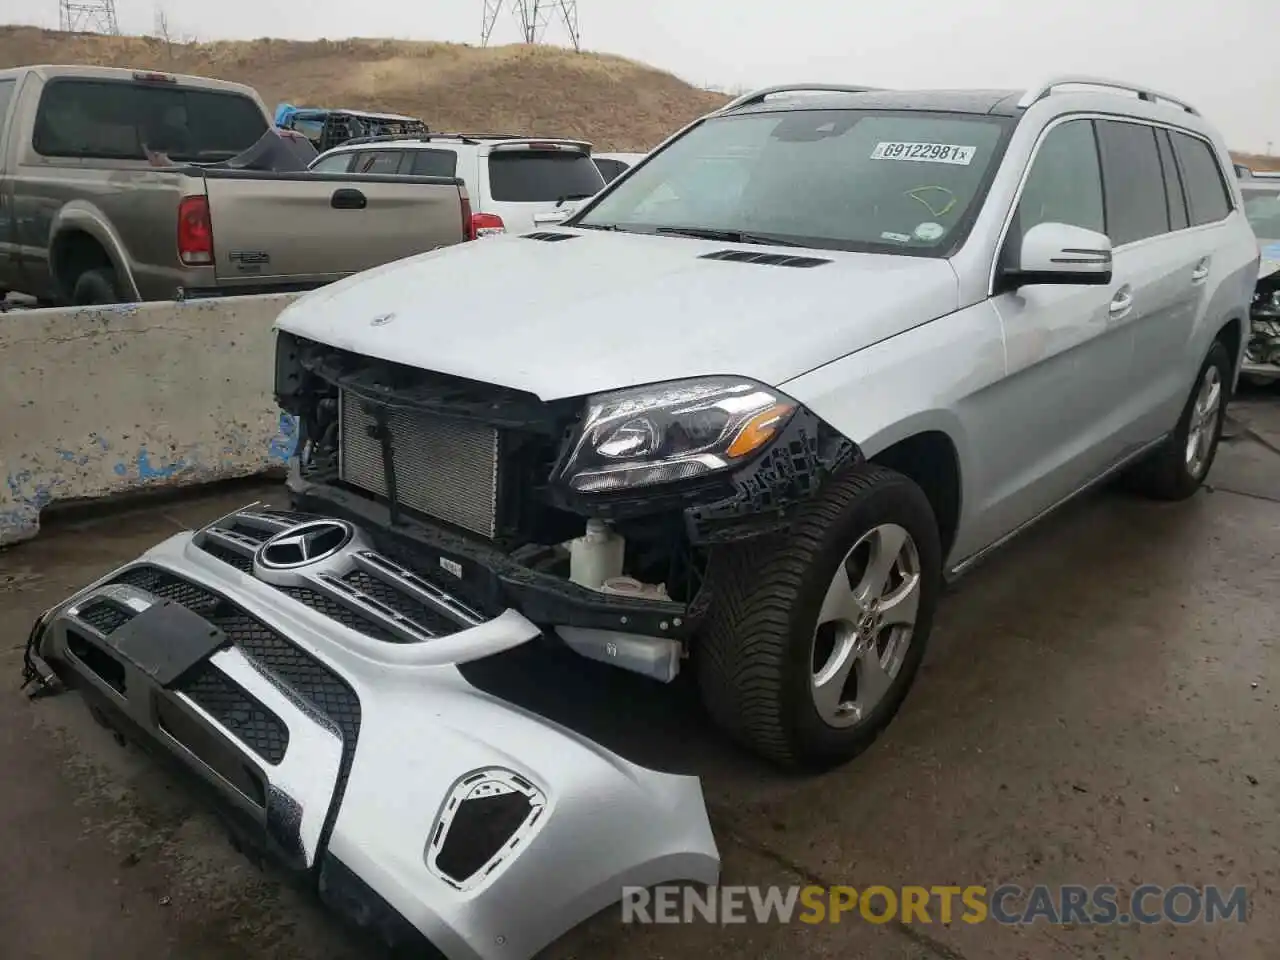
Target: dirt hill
point(615, 103)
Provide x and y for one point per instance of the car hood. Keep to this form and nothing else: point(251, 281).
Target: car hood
point(604, 311)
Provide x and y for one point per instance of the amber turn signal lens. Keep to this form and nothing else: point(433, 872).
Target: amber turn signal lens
point(759, 430)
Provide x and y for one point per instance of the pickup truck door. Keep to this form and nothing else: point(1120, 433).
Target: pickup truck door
point(315, 227)
point(1052, 423)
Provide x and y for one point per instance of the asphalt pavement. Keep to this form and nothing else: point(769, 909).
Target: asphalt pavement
point(1100, 704)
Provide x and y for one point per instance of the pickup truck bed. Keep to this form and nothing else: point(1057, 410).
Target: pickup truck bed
point(120, 185)
point(297, 230)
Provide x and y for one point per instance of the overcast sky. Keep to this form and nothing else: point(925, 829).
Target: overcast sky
point(1220, 54)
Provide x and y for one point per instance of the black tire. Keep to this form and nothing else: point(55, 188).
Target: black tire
point(754, 660)
point(1167, 474)
point(97, 286)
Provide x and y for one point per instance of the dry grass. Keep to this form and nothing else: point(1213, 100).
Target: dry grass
point(1257, 161)
point(615, 103)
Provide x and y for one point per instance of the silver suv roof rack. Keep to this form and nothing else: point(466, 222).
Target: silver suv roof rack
point(759, 96)
point(1038, 93)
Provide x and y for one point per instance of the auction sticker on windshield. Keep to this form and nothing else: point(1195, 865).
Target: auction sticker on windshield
point(924, 152)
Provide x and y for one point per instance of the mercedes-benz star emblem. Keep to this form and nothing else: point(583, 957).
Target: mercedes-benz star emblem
point(304, 544)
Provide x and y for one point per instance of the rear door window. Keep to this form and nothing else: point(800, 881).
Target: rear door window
point(111, 119)
point(1178, 217)
point(1206, 188)
point(379, 161)
point(542, 176)
point(434, 163)
point(1136, 204)
point(334, 163)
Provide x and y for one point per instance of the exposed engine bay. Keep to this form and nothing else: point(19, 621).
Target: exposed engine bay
point(538, 506)
point(1262, 352)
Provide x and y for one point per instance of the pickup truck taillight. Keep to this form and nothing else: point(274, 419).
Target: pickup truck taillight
point(195, 232)
point(486, 224)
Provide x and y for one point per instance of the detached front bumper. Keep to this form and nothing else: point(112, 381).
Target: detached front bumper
point(315, 690)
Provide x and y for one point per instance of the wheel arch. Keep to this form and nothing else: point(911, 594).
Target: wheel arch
point(931, 459)
point(83, 239)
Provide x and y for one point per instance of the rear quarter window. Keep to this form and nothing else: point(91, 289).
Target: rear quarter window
point(434, 163)
point(610, 169)
point(1202, 179)
point(538, 176)
point(110, 119)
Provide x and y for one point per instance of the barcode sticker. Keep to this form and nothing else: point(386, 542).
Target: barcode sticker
point(924, 152)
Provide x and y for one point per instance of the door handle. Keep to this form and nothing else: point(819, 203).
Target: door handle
point(1121, 303)
point(1201, 271)
point(348, 199)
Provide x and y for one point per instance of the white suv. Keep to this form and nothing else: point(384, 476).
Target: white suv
point(514, 183)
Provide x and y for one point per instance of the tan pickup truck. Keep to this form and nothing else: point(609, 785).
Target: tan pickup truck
point(122, 185)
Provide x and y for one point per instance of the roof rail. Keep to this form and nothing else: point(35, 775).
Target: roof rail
point(759, 96)
point(468, 138)
point(1039, 92)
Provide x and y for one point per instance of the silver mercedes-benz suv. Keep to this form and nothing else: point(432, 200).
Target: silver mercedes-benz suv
point(744, 412)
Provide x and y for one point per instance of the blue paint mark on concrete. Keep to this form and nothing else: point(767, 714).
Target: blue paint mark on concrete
point(147, 472)
point(72, 457)
point(285, 443)
point(120, 469)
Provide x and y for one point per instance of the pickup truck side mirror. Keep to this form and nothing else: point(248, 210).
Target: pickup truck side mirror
point(1059, 253)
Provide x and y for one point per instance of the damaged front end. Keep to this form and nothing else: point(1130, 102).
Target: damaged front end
point(594, 517)
point(1262, 352)
point(323, 694)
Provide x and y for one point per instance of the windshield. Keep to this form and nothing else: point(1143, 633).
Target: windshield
point(838, 179)
point(1262, 207)
point(542, 176)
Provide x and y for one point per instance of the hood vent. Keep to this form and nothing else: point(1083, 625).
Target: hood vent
point(773, 259)
point(548, 237)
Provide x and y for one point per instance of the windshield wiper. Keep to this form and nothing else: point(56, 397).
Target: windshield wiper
point(729, 236)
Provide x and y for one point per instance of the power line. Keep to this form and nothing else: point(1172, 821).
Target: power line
point(534, 16)
point(88, 16)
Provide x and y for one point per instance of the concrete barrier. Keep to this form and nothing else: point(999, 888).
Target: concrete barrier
point(96, 401)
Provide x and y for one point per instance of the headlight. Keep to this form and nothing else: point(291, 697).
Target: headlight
point(671, 431)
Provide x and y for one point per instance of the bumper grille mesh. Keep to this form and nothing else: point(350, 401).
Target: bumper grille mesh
point(240, 713)
point(309, 678)
point(444, 468)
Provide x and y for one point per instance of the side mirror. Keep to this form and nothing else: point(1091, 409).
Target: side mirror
point(1058, 253)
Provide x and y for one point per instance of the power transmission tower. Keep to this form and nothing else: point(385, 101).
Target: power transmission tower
point(88, 16)
point(534, 17)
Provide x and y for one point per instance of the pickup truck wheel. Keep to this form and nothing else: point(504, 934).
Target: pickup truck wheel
point(1176, 470)
point(815, 635)
point(94, 287)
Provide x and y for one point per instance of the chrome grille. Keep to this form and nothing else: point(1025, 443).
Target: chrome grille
point(444, 468)
point(358, 587)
